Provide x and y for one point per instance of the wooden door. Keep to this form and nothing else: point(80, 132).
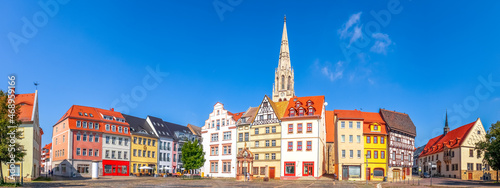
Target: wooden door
point(345, 173)
point(271, 172)
point(368, 175)
point(470, 176)
point(395, 174)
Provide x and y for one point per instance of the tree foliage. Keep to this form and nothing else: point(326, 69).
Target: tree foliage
point(9, 150)
point(193, 156)
point(491, 147)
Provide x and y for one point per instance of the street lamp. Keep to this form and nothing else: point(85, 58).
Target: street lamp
point(367, 174)
point(430, 171)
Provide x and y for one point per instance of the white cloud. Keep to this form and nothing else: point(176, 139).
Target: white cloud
point(337, 73)
point(382, 43)
point(353, 34)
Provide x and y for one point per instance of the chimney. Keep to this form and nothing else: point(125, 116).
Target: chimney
point(112, 109)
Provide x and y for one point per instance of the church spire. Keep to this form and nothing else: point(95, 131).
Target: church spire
point(283, 88)
point(446, 128)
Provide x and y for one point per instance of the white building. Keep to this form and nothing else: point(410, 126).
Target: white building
point(219, 142)
point(303, 138)
point(116, 147)
point(165, 143)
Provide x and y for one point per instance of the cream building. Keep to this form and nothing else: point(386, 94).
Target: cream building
point(454, 155)
point(243, 132)
point(349, 145)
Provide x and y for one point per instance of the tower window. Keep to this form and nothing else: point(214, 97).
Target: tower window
point(288, 83)
point(282, 82)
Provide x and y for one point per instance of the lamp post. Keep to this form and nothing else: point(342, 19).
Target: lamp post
point(430, 171)
point(367, 174)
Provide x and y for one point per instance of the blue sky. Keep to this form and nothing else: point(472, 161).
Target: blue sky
point(427, 57)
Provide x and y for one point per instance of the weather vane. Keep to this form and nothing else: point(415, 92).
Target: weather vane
point(36, 85)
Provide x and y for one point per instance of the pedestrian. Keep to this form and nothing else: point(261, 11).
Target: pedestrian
point(248, 174)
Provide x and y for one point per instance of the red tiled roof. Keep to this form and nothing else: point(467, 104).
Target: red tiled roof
point(348, 114)
point(330, 126)
point(75, 110)
point(453, 139)
point(47, 146)
point(26, 103)
point(236, 116)
point(369, 119)
point(317, 104)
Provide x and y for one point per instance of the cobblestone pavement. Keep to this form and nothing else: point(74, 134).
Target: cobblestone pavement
point(177, 182)
point(440, 182)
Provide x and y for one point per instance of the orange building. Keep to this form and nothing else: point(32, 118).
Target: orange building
point(78, 139)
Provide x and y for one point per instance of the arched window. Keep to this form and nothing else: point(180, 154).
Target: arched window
point(277, 83)
point(280, 100)
point(288, 83)
point(282, 81)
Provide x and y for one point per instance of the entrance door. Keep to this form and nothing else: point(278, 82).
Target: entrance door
point(271, 172)
point(345, 173)
point(470, 176)
point(395, 174)
point(308, 169)
point(368, 175)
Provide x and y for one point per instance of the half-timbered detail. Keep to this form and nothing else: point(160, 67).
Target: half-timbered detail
point(219, 142)
point(265, 139)
point(402, 134)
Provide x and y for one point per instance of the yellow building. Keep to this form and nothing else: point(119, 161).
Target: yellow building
point(375, 144)
point(143, 160)
point(30, 140)
point(265, 139)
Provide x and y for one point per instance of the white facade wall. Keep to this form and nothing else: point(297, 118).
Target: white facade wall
point(124, 147)
point(226, 124)
point(165, 147)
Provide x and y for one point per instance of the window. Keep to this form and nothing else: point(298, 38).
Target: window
point(227, 135)
point(471, 153)
point(214, 166)
point(120, 140)
point(375, 139)
point(351, 153)
point(478, 154)
point(149, 140)
point(96, 139)
point(299, 145)
point(126, 141)
point(290, 146)
point(262, 170)
point(107, 127)
point(226, 166)
point(77, 137)
point(96, 153)
point(299, 128)
point(358, 125)
point(113, 154)
point(215, 137)
point(378, 172)
point(119, 154)
point(257, 144)
point(342, 124)
point(113, 140)
point(135, 140)
point(91, 125)
point(273, 143)
point(269, 116)
point(290, 128)
point(64, 138)
point(256, 156)
point(96, 126)
point(78, 124)
point(135, 152)
point(301, 112)
point(358, 139)
point(359, 154)
point(267, 156)
point(309, 145)
point(350, 138)
point(289, 168)
point(91, 137)
point(292, 112)
point(84, 124)
point(375, 154)
point(381, 139)
point(267, 129)
point(256, 130)
point(267, 143)
point(368, 139)
point(470, 166)
point(273, 129)
point(311, 112)
point(240, 137)
point(119, 129)
point(273, 156)
point(91, 152)
point(342, 138)
point(246, 137)
point(152, 154)
point(350, 124)
point(227, 150)
point(343, 153)
point(382, 154)
point(77, 151)
point(447, 167)
point(479, 166)
point(309, 127)
point(368, 154)
point(125, 156)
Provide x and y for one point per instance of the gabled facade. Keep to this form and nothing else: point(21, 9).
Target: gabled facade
point(165, 144)
point(350, 158)
point(78, 140)
point(303, 138)
point(265, 140)
point(244, 155)
point(401, 144)
point(219, 142)
point(143, 160)
point(454, 155)
point(375, 144)
point(31, 135)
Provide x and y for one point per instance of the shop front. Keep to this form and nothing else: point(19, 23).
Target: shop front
point(115, 168)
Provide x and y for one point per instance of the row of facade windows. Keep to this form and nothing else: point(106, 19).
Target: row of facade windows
point(214, 150)
point(80, 124)
point(266, 156)
point(113, 156)
point(165, 146)
point(149, 154)
point(83, 152)
point(113, 140)
point(59, 153)
point(299, 128)
point(375, 154)
point(299, 146)
point(215, 136)
point(92, 137)
point(164, 157)
point(267, 130)
point(240, 137)
point(144, 141)
point(226, 167)
point(267, 142)
point(342, 125)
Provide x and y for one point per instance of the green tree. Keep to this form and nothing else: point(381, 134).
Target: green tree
point(7, 149)
point(491, 147)
point(193, 156)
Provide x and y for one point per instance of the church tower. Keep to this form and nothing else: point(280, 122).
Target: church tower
point(283, 87)
point(446, 128)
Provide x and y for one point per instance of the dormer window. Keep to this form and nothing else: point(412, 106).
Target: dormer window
point(301, 112)
point(309, 103)
point(311, 111)
point(86, 114)
point(297, 104)
point(292, 112)
point(375, 127)
point(91, 115)
point(79, 113)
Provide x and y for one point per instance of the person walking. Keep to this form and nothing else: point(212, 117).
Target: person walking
point(248, 176)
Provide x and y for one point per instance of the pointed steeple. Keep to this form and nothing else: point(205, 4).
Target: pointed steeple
point(284, 62)
point(446, 128)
